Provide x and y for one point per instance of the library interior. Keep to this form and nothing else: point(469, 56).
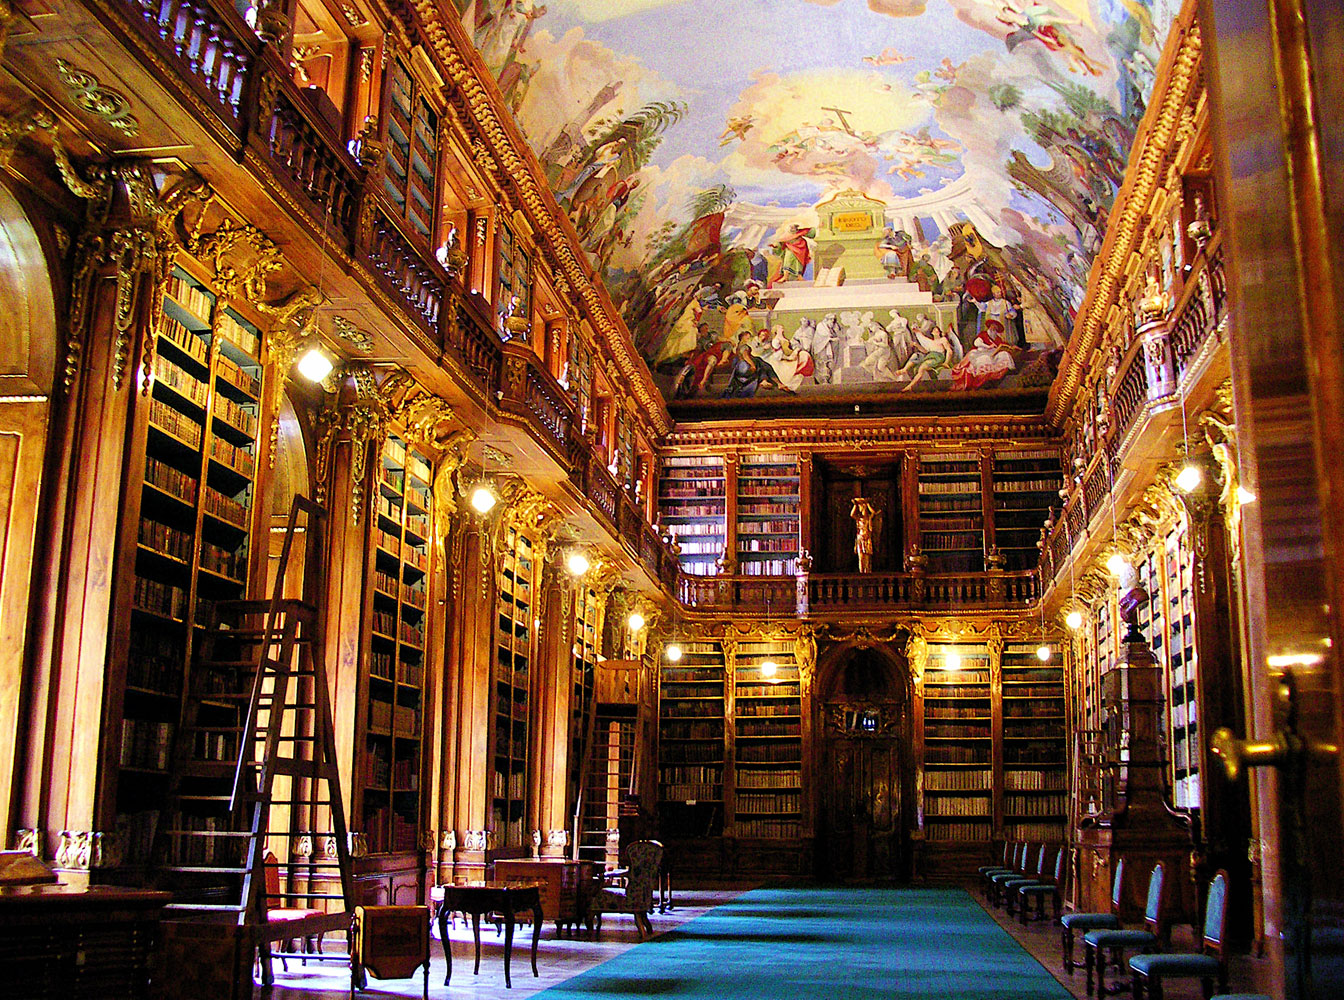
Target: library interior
point(803, 483)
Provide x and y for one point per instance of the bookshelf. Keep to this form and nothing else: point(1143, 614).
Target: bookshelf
point(767, 515)
point(692, 505)
point(585, 648)
point(515, 275)
point(1026, 484)
point(412, 150)
point(511, 691)
point(691, 741)
point(767, 741)
point(951, 512)
point(958, 744)
point(391, 779)
point(1182, 701)
point(1034, 798)
point(192, 518)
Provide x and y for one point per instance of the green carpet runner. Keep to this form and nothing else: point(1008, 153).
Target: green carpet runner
point(828, 944)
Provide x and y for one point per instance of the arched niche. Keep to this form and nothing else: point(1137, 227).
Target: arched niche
point(291, 477)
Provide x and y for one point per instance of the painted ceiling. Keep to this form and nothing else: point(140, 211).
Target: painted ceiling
point(791, 200)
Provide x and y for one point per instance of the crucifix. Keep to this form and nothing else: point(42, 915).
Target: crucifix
point(844, 123)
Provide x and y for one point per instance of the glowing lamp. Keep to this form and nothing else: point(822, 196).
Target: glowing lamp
point(635, 621)
point(1189, 478)
point(1043, 653)
point(315, 365)
point(483, 499)
point(673, 653)
point(577, 563)
point(1074, 620)
point(768, 668)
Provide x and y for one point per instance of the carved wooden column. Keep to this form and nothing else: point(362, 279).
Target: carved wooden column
point(554, 698)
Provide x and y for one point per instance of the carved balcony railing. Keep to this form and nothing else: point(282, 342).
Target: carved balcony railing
point(1199, 313)
point(529, 391)
point(474, 344)
point(835, 593)
point(306, 157)
point(214, 48)
point(1131, 394)
point(406, 271)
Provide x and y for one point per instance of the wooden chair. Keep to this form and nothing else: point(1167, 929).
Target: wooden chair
point(1011, 857)
point(997, 881)
point(1003, 865)
point(1084, 922)
point(1008, 889)
point(389, 942)
point(1103, 949)
point(1206, 965)
point(281, 918)
point(644, 859)
point(1052, 887)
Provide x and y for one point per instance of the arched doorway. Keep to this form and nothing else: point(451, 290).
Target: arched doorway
point(864, 767)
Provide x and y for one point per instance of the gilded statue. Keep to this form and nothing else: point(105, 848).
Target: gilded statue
point(867, 524)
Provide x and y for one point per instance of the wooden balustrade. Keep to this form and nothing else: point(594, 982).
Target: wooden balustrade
point(1131, 395)
point(409, 273)
point(476, 345)
point(1201, 309)
point(601, 488)
point(829, 593)
point(310, 161)
point(1096, 486)
point(549, 405)
point(214, 48)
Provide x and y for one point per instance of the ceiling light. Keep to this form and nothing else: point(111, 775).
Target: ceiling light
point(577, 563)
point(1244, 496)
point(1074, 620)
point(1189, 478)
point(673, 652)
point(1117, 564)
point(315, 365)
point(483, 499)
point(1043, 653)
point(635, 621)
point(768, 668)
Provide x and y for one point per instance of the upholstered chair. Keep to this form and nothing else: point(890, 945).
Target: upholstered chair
point(644, 859)
point(1206, 965)
point(1105, 949)
point(1072, 923)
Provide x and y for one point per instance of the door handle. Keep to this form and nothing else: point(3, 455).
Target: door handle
point(1286, 747)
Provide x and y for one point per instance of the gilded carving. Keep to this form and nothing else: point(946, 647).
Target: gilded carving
point(86, 92)
point(25, 121)
point(328, 421)
point(366, 421)
point(294, 323)
point(241, 256)
point(360, 340)
point(29, 841)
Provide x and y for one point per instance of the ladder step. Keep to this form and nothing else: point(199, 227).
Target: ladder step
point(205, 869)
point(208, 833)
point(207, 907)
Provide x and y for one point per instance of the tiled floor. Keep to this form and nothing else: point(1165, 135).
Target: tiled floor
point(558, 959)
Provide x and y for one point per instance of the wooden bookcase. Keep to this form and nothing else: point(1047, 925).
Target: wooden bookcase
point(412, 149)
point(394, 723)
point(1035, 804)
point(1182, 664)
point(1026, 485)
point(190, 510)
point(959, 753)
point(511, 688)
point(951, 512)
point(585, 650)
point(767, 488)
point(691, 747)
point(692, 501)
point(767, 741)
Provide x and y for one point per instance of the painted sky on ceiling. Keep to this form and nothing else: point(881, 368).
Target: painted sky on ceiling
point(701, 148)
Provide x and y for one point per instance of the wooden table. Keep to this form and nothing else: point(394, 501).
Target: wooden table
point(505, 897)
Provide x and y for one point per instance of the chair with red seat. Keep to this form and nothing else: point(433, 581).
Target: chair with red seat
point(281, 918)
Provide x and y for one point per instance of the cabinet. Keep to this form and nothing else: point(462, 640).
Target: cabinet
point(951, 512)
point(189, 510)
point(767, 741)
point(692, 501)
point(394, 723)
point(767, 491)
point(691, 742)
point(511, 690)
point(958, 743)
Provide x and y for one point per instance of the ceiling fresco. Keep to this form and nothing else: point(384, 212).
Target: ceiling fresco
point(796, 199)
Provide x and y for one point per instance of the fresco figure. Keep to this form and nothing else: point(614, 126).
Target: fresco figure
point(1036, 20)
point(790, 364)
point(996, 309)
point(880, 355)
point(893, 250)
point(823, 350)
point(794, 252)
point(989, 358)
point(937, 350)
point(902, 340)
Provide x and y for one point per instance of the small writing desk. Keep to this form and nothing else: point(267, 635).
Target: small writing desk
point(494, 896)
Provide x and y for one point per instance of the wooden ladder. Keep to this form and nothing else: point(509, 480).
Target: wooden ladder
point(609, 740)
point(259, 710)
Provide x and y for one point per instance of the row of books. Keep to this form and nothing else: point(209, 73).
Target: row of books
point(225, 508)
point(952, 486)
point(948, 691)
point(189, 343)
point(760, 727)
point(948, 540)
point(510, 786)
point(697, 510)
point(769, 829)
point(757, 709)
point(235, 415)
point(944, 805)
point(952, 754)
point(771, 778)
point(189, 850)
point(692, 709)
point(1028, 485)
point(389, 541)
point(165, 540)
point(1035, 805)
point(385, 622)
point(961, 780)
point(381, 665)
point(191, 297)
point(715, 529)
point(958, 831)
point(1032, 831)
point(170, 480)
point(702, 549)
point(690, 792)
point(769, 567)
point(789, 544)
point(236, 457)
point(691, 492)
point(160, 598)
point(693, 753)
point(154, 661)
point(782, 487)
point(779, 802)
point(175, 422)
point(769, 753)
point(146, 743)
point(947, 466)
point(962, 506)
point(747, 510)
point(678, 730)
point(945, 730)
point(241, 335)
point(1035, 779)
point(215, 746)
point(683, 774)
point(232, 564)
point(378, 765)
point(185, 385)
point(955, 712)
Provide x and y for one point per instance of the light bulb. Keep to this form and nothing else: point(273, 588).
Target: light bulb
point(768, 668)
point(1244, 496)
point(315, 365)
point(673, 652)
point(483, 499)
point(577, 563)
point(635, 621)
point(1074, 620)
point(951, 661)
point(1189, 478)
point(1117, 564)
point(1043, 653)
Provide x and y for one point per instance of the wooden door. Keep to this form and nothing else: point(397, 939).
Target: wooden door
point(861, 834)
